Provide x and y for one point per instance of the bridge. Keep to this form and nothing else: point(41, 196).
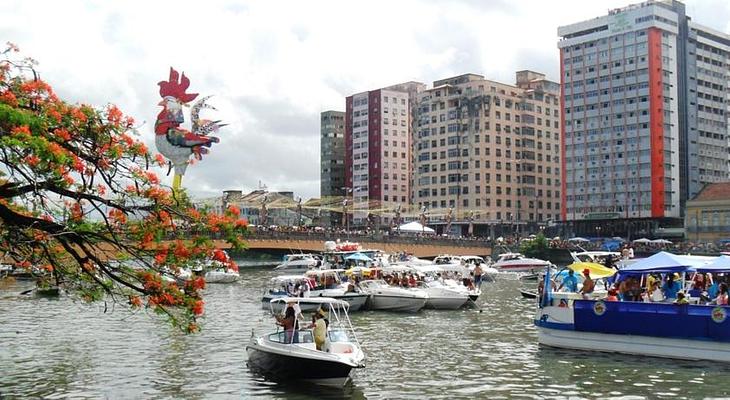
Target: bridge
point(419, 246)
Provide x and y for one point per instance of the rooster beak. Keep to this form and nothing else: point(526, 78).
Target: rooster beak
point(161, 103)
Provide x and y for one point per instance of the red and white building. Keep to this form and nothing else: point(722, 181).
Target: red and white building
point(378, 137)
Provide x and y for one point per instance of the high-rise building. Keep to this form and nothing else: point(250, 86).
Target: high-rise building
point(332, 161)
point(488, 153)
point(378, 126)
point(332, 153)
point(645, 105)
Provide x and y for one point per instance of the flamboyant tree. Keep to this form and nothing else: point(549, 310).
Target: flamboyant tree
point(79, 201)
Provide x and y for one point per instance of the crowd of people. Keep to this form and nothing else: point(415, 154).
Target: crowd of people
point(654, 288)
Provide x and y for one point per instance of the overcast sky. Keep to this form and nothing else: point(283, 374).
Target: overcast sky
point(273, 66)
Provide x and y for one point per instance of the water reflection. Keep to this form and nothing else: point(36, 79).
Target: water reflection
point(66, 349)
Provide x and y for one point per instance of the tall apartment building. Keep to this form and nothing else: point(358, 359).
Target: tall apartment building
point(332, 161)
point(332, 153)
point(489, 152)
point(378, 126)
point(645, 105)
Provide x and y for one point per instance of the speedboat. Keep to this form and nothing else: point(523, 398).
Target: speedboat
point(222, 276)
point(298, 358)
point(489, 273)
point(283, 286)
point(516, 262)
point(298, 263)
point(329, 286)
point(443, 297)
point(391, 298)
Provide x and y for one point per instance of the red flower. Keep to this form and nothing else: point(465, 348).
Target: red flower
point(135, 301)
point(220, 255)
point(32, 160)
point(234, 210)
point(63, 134)
point(198, 307)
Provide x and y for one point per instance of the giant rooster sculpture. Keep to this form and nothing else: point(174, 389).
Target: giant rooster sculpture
point(174, 142)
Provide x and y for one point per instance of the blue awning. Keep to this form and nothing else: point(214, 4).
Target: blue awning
point(721, 264)
point(664, 262)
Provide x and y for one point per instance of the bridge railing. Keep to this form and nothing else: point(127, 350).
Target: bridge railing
point(365, 238)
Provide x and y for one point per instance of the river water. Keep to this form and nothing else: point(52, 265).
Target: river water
point(60, 348)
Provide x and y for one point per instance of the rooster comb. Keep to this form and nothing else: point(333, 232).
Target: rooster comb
point(176, 89)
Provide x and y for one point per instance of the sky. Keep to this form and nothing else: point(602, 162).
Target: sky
point(273, 66)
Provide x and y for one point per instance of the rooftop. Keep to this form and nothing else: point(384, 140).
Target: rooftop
point(714, 191)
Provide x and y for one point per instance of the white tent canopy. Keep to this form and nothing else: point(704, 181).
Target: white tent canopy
point(415, 227)
point(642, 240)
point(578, 239)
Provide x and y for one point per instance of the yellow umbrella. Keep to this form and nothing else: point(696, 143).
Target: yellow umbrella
point(596, 270)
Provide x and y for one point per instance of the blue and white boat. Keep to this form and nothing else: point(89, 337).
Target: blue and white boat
point(689, 331)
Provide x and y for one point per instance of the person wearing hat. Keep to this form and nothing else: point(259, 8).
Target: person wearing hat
point(320, 329)
point(588, 284)
point(671, 287)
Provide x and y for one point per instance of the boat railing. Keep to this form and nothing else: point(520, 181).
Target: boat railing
point(653, 319)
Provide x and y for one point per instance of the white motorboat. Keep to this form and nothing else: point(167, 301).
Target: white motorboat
point(329, 285)
point(222, 276)
point(516, 262)
point(489, 273)
point(287, 356)
point(391, 298)
point(299, 263)
point(287, 286)
point(443, 297)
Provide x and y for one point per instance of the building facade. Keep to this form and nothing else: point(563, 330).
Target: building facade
point(487, 154)
point(378, 131)
point(332, 161)
point(708, 214)
point(332, 153)
point(644, 115)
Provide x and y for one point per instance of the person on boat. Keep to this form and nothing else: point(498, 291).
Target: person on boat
point(698, 282)
point(570, 282)
point(650, 279)
point(656, 293)
point(612, 295)
point(320, 330)
point(681, 299)
point(478, 275)
point(289, 323)
point(713, 290)
point(671, 286)
point(722, 297)
point(412, 280)
point(588, 284)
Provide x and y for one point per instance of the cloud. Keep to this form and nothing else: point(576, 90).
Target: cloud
point(274, 66)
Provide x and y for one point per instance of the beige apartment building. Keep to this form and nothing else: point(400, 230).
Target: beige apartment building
point(488, 154)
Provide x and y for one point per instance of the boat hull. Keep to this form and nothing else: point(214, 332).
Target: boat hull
point(221, 277)
point(287, 367)
point(446, 303)
point(396, 303)
point(634, 344)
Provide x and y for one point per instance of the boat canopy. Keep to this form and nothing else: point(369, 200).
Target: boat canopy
point(665, 262)
point(288, 278)
point(720, 264)
point(310, 300)
point(596, 270)
point(358, 257)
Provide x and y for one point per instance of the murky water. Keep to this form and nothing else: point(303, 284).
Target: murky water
point(63, 349)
